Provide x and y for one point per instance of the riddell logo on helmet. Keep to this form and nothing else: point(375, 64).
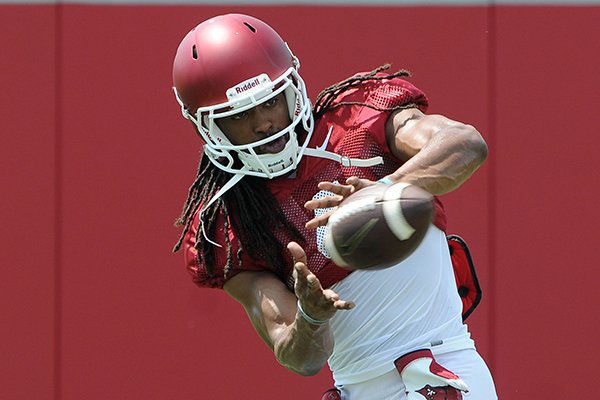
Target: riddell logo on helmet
point(248, 85)
point(275, 163)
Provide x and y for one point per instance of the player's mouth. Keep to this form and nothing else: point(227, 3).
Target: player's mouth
point(275, 146)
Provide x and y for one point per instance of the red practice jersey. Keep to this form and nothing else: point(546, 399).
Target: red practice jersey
point(357, 132)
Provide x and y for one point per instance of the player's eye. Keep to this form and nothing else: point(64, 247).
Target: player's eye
point(239, 116)
point(271, 102)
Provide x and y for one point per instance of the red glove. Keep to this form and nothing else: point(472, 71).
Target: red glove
point(425, 379)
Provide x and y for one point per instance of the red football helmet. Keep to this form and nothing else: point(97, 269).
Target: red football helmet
point(229, 64)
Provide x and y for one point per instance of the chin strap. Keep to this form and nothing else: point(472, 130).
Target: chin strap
point(345, 161)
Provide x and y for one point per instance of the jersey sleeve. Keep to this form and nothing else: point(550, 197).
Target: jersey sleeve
point(197, 268)
point(368, 106)
point(194, 266)
point(395, 92)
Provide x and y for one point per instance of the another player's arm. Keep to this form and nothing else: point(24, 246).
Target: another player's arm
point(300, 346)
point(439, 154)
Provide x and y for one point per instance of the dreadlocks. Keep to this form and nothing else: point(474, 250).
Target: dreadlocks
point(326, 98)
point(249, 206)
point(256, 218)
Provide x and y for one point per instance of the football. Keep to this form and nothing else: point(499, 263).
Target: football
point(378, 226)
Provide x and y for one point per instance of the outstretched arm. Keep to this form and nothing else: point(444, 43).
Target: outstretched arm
point(439, 154)
point(299, 345)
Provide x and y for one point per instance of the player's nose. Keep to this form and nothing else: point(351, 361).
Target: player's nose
point(261, 122)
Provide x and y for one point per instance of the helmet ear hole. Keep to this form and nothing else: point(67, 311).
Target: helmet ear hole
point(253, 29)
point(194, 52)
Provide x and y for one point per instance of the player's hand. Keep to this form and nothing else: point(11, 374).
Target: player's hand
point(319, 303)
point(340, 191)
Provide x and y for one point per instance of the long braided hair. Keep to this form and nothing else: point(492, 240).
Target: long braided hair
point(325, 99)
point(249, 206)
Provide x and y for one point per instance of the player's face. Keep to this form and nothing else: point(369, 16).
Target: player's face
point(258, 123)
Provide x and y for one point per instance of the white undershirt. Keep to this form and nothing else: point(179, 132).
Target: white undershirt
point(411, 306)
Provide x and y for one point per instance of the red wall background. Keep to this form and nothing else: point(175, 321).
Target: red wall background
point(96, 161)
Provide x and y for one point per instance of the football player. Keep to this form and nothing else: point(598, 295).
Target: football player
point(273, 167)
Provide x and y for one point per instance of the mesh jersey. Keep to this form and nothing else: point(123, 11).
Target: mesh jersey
point(357, 132)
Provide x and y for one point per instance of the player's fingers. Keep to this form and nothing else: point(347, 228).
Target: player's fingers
point(299, 274)
point(325, 202)
point(321, 220)
point(343, 305)
point(312, 283)
point(337, 188)
point(339, 304)
point(297, 252)
point(300, 271)
point(305, 282)
point(358, 183)
point(310, 293)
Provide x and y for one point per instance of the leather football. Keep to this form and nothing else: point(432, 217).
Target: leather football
point(379, 226)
